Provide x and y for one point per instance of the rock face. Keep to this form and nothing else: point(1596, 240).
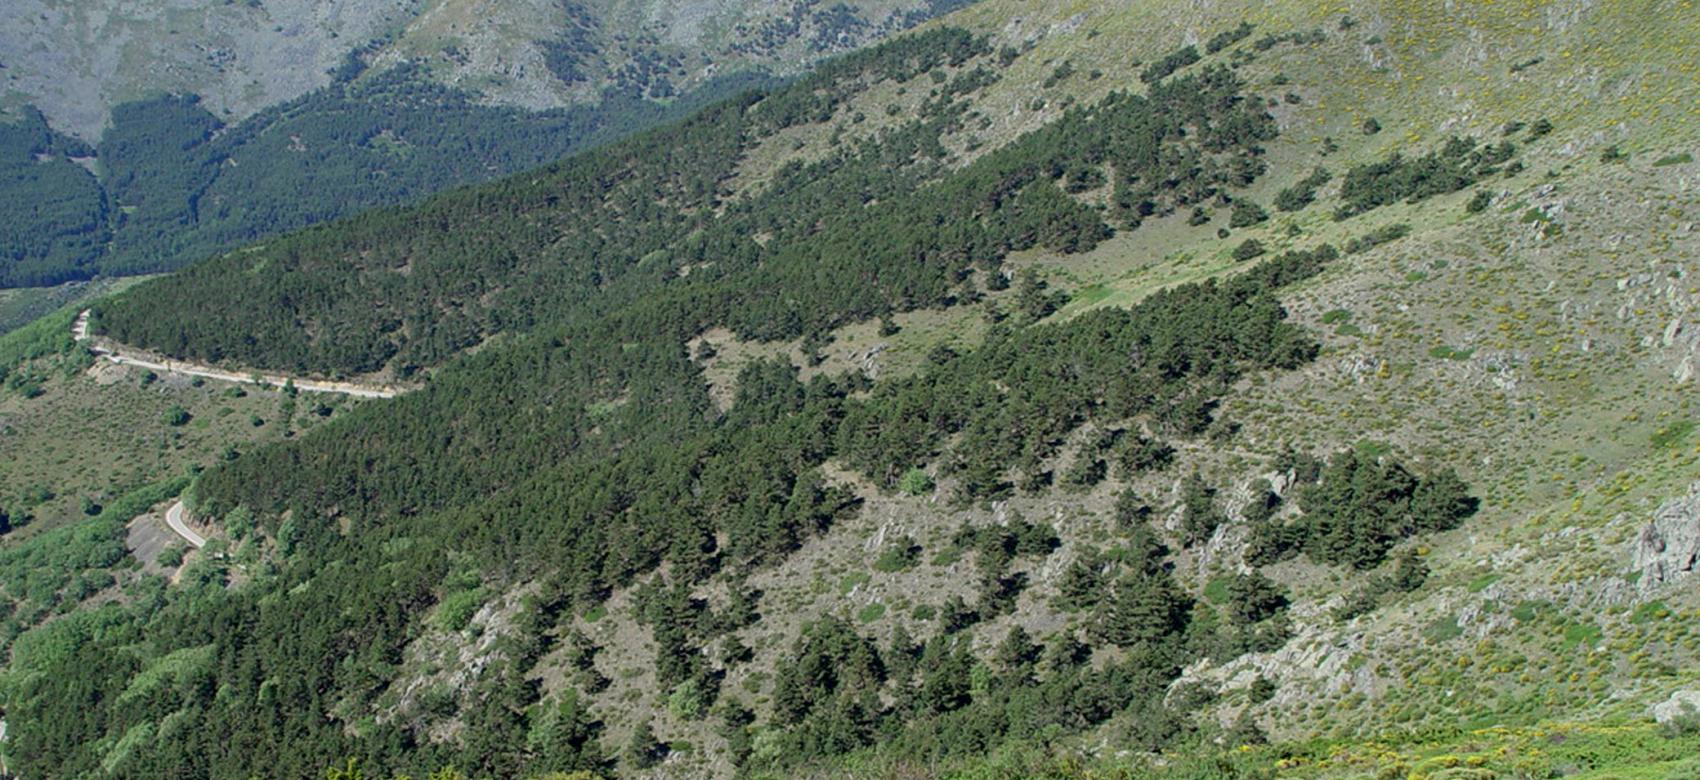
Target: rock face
point(1668, 549)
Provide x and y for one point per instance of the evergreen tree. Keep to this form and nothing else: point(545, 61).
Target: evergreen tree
point(1253, 598)
point(1409, 571)
point(1142, 608)
point(1065, 653)
point(1441, 501)
point(643, 750)
point(1081, 583)
point(944, 675)
point(900, 655)
point(1199, 515)
point(566, 737)
point(1016, 653)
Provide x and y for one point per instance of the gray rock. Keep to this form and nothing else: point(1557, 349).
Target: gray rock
point(1680, 704)
point(1668, 548)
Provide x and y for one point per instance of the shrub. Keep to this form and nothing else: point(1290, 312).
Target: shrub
point(1359, 602)
point(1199, 515)
point(687, 701)
point(1176, 60)
point(1681, 726)
point(900, 554)
point(1248, 249)
point(1138, 454)
point(915, 482)
point(1303, 193)
point(1254, 598)
point(1086, 471)
point(171, 557)
point(1226, 38)
point(1377, 237)
point(1246, 214)
point(457, 609)
point(1261, 690)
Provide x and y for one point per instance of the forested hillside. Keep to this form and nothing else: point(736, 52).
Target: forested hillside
point(230, 122)
point(178, 185)
point(1051, 391)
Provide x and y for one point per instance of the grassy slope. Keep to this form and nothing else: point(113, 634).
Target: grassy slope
point(96, 430)
point(1477, 341)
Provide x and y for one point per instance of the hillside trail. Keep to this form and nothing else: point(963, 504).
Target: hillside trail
point(129, 357)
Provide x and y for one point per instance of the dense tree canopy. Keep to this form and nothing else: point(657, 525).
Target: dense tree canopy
point(178, 185)
point(581, 452)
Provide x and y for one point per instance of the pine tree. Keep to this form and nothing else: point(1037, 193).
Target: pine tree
point(1441, 501)
point(900, 655)
point(1199, 515)
point(1253, 598)
point(945, 684)
point(1065, 652)
point(566, 737)
point(1016, 653)
point(643, 750)
point(1409, 572)
point(1144, 608)
point(1131, 511)
point(1082, 582)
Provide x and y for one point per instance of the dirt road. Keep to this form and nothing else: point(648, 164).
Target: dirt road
point(80, 332)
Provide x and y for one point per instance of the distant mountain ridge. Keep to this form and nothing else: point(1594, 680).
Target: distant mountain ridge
point(76, 61)
point(142, 137)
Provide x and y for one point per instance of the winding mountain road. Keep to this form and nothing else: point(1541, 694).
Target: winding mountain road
point(80, 332)
point(174, 518)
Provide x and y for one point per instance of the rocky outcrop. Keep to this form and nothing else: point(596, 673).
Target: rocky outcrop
point(1682, 704)
point(1668, 548)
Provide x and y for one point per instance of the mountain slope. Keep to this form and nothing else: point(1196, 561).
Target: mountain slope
point(148, 136)
point(1026, 389)
point(77, 61)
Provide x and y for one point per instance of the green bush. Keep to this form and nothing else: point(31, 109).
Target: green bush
point(1248, 249)
point(171, 557)
point(456, 609)
point(1246, 214)
point(915, 482)
point(900, 554)
point(1377, 237)
point(176, 416)
point(1479, 202)
point(1302, 194)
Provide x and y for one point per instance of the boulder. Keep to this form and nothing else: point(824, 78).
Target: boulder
point(1682, 704)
